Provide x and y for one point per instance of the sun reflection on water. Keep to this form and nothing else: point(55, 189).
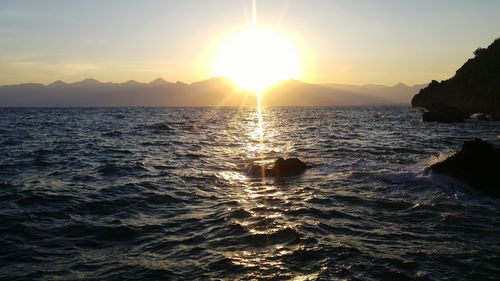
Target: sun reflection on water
point(260, 145)
point(259, 115)
point(263, 199)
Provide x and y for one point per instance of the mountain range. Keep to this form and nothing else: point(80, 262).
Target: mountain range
point(210, 92)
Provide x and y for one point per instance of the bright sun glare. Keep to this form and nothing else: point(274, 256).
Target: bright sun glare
point(256, 59)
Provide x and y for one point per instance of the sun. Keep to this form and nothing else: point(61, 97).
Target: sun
point(256, 59)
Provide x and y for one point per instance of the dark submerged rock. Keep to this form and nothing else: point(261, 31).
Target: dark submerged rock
point(477, 164)
point(281, 168)
point(474, 88)
point(444, 114)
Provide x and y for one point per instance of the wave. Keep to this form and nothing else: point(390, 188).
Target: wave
point(160, 127)
point(112, 134)
point(121, 169)
point(106, 194)
point(397, 177)
point(317, 213)
point(446, 181)
point(284, 236)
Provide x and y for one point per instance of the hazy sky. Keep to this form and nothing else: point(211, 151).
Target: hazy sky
point(348, 41)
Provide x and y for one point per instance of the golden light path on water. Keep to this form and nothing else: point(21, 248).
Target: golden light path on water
point(254, 196)
point(259, 116)
point(260, 123)
point(268, 230)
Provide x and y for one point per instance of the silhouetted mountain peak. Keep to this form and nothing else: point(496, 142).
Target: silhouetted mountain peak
point(58, 83)
point(158, 82)
point(88, 82)
point(288, 83)
point(214, 81)
point(131, 83)
point(400, 85)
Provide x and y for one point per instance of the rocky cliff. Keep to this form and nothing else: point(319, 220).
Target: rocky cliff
point(474, 88)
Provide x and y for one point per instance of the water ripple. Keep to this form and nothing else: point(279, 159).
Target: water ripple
point(161, 193)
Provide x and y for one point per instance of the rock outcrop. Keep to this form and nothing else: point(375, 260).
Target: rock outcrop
point(474, 88)
point(477, 164)
point(281, 168)
point(444, 114)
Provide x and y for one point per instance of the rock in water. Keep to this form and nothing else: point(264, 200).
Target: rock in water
point(477, 164)
point(444, 114)
point(479, 116)
point(281, 168)
point(288, 167)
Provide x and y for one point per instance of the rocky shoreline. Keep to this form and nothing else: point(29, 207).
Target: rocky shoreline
point(477, 164)
point(475, 88)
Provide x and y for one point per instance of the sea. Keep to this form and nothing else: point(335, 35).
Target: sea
point(162, 194)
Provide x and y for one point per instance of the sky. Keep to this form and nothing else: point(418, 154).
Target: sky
point(352, 42)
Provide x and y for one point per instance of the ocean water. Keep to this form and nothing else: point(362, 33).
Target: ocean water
point(161, 194)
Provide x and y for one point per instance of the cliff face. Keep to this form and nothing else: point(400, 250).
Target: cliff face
point(474, 88)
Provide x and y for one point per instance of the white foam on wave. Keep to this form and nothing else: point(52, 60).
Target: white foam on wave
point(446, 181)
point(442, 180)
point(413, 173)
point(441, 156)
point(397, 177)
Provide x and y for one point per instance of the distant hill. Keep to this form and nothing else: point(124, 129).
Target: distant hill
point(474, 88)
point(211, 92)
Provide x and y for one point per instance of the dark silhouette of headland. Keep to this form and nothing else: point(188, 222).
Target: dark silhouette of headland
point(475, 88)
